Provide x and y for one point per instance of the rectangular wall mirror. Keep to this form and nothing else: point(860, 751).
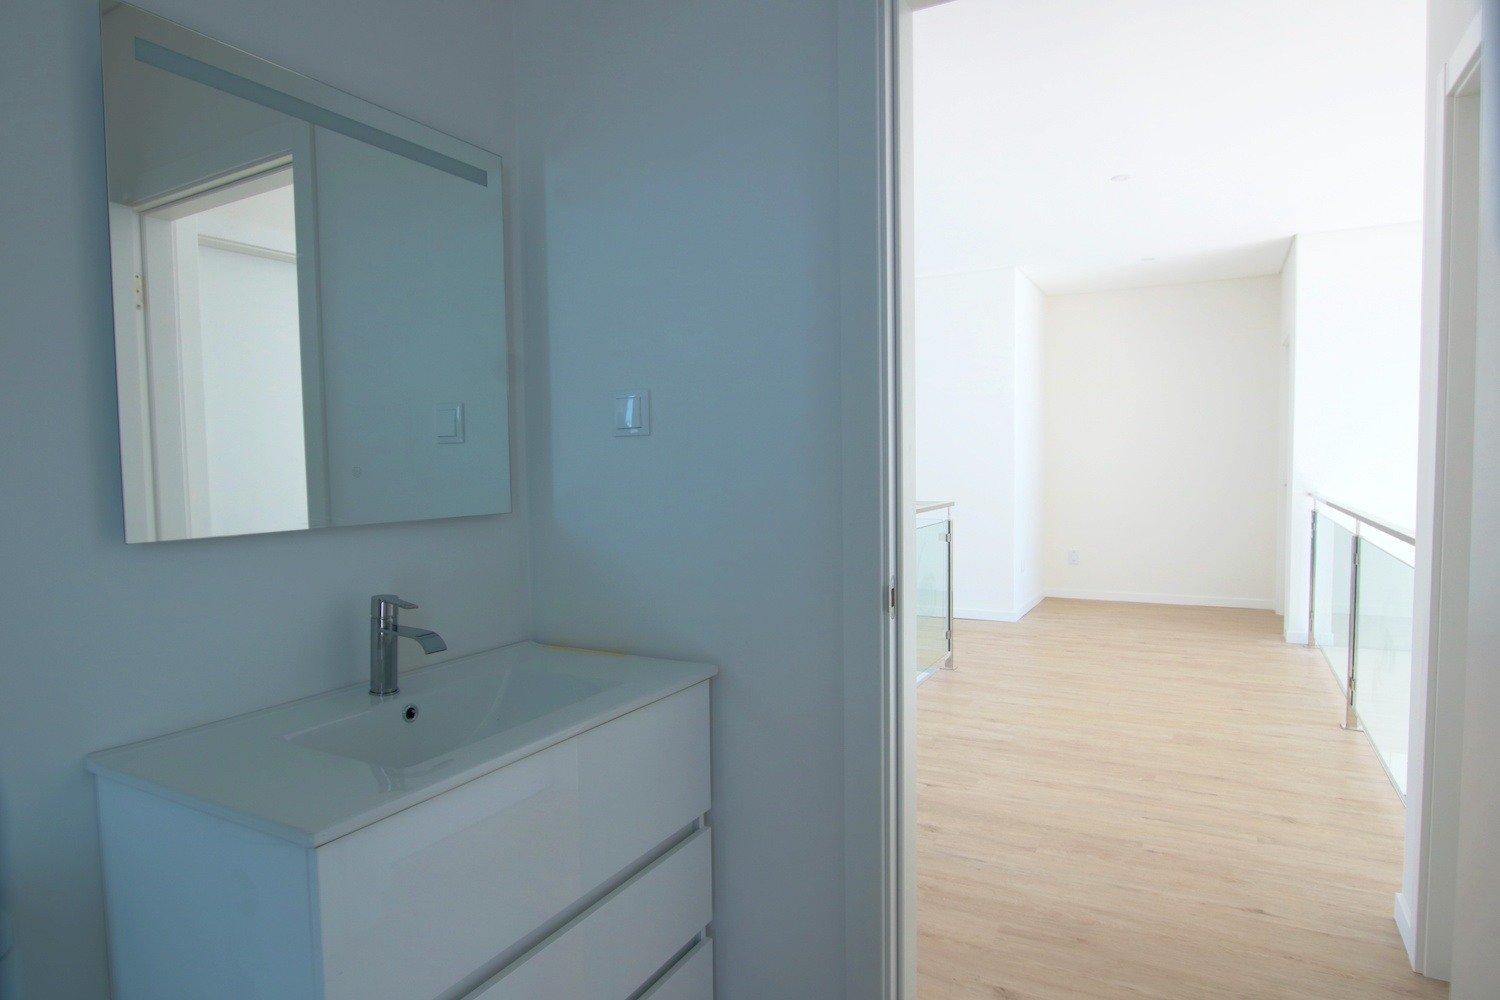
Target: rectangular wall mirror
point(309, 298)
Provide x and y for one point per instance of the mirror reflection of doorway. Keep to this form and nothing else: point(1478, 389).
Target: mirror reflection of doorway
point(221, 407)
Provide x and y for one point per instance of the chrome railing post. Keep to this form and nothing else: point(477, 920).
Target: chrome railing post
point(1312, 574)
point(1351, 717)
point(948, 537)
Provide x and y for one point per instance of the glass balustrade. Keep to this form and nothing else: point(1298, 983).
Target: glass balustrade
point(1333, 561)
point(1361, 598)
point(1382, 654)
point(933, 597)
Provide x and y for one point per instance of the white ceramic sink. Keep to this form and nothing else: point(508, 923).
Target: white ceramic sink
point(402, 731)
point(314, 770)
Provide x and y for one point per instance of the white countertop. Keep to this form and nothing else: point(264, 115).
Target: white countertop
point(246, 769)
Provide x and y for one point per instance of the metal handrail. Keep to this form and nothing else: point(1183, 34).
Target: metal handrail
point(1390, 529)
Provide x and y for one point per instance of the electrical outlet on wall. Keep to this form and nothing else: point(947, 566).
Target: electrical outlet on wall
point(1073, 557)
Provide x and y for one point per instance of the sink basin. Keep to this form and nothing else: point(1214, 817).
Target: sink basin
point(405, 731)
point(314, 770)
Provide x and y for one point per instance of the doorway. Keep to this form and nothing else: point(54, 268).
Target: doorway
point(215, 358)
point(1065, 553)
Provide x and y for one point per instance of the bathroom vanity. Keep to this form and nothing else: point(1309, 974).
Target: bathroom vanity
point(528, 822)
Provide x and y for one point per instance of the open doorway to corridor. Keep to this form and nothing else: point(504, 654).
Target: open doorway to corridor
point(1168, 296)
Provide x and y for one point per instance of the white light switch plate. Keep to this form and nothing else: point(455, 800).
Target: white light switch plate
point(632, 413)
point(449, 423)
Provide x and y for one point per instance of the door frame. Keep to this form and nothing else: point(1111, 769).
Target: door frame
point(877, 381)
point(875, 309)
point(1424, 907)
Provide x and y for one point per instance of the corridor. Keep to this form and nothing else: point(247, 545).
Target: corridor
point(1126, 800)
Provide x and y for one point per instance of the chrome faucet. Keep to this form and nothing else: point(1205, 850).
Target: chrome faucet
point(384, 630)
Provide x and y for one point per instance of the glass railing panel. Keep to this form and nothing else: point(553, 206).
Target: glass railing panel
point(932, 595)
point(1382, 689)
point(1330, 593)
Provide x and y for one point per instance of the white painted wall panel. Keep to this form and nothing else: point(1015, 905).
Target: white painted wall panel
point(1355, 340)
point(679, 172)
point(1029, 434)
point(1161, 443)
point(252, 393)
point(966, 429)
point(979, 431)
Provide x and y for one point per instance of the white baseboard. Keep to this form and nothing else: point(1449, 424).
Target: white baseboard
point(1249, 603)
point(1028, 608)
point(1297, 638)
point(986, 615)
point(1408, 932)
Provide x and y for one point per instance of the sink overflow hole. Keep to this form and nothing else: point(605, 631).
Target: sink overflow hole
point(410, 714)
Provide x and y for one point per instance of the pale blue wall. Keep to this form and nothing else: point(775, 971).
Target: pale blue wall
point(679, 175)
point(681, 193)
point(104, 643)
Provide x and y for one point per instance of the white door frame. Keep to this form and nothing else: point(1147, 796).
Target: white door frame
point(879, 901)
point(1424, 906)
point(877, 282)
point(179, 439)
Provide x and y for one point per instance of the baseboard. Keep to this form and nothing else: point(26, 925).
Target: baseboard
point(1026, 610)
point(1248, 603)
point(985, 615)
point(1297, 638)
point(1408, 932)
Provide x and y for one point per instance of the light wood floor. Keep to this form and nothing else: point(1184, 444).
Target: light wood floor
point(1121, 801)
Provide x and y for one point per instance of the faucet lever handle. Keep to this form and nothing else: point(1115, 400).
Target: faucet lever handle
point(384, 606)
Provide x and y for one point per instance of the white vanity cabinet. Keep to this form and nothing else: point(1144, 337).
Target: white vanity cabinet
point(580, 871)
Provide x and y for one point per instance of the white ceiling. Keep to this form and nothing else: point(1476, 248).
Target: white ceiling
point(1238, 122)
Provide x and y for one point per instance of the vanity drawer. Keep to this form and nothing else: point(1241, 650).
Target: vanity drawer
point(422, 900)
point(615, 946)
point(692, 978)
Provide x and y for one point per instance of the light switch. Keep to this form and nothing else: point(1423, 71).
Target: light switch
point(633, 413)
point(450, 423)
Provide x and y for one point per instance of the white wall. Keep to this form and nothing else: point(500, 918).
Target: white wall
point(1030, 377)
point(679, 170)
point(1355, 339)
point(249, 340)
point(978, 427)
point(964, 430)
point(1161, 418)
point(1284, 431)
point(252, 392)
point(104, 643)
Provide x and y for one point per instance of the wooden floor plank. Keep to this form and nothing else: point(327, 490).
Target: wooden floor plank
point(1122, 800)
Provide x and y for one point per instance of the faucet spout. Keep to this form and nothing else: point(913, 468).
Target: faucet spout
point(429, 640)
point(385, 629)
